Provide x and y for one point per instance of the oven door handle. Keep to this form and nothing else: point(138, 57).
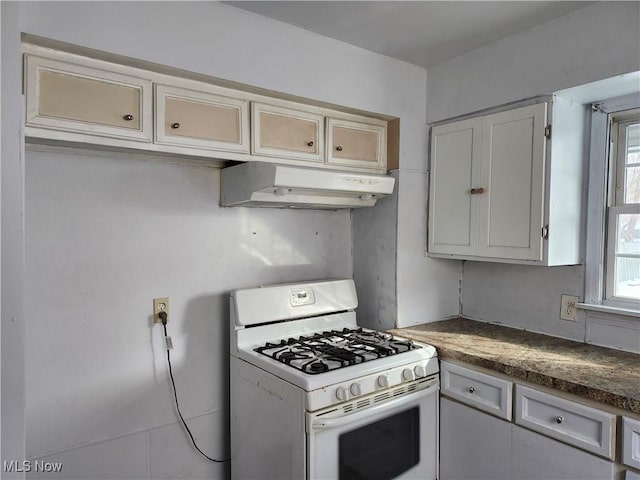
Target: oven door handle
point(327, 423)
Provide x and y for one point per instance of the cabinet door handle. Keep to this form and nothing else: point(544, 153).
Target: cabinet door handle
point(472, 389)
point(339, 148)
point(175, 125)
point(559, 419)
point(477, 191)
point(309, 144)
point(128, 118)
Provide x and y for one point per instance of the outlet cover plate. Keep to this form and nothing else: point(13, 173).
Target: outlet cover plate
point(568, 310)
point(160, 305)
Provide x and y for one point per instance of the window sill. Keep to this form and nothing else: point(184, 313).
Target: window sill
point(625, 312)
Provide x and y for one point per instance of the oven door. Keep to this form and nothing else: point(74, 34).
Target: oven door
point(379, 437)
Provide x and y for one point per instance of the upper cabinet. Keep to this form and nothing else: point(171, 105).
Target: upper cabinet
point(81, 99)
point(356, 144)
point(72, 99)
point(511, 184)
point(198, 119)
point(455, 166)
point(285, 132)
point(502, 190)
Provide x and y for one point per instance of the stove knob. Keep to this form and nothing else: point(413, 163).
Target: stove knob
point(356, 389)
point(383, 381)
point(408, 374)
point(420, 370)
point(342, 394)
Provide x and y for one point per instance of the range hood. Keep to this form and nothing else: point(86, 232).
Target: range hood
point(259, 184)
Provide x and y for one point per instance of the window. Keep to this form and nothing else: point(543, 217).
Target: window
point(622, 265)
point(612, 255)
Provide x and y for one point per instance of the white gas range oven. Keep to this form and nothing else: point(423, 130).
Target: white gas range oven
point(313, 396)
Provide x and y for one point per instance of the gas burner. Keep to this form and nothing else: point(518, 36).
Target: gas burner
point(335, 349)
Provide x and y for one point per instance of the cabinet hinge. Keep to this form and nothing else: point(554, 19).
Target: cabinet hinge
point(545, 232)
point(547, 131)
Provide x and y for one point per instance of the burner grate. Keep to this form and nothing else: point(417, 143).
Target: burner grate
point(335, 349)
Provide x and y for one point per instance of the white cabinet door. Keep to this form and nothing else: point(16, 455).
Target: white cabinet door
point(455, 166)
point(512, 179)
point(631, 442)
point(487, 186)
point(536, 457)
point(473, 445)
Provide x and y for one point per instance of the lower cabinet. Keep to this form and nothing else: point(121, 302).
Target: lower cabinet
point(631, 442)
point(473, 445)
point(478, 446)
point(536, 457)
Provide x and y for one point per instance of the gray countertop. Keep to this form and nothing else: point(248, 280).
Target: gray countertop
point(608, 376)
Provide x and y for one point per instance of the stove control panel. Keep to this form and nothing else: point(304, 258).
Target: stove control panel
point(374, 383)
point(298, 298)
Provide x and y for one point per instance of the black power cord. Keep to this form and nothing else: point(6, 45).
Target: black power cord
point(163, 317)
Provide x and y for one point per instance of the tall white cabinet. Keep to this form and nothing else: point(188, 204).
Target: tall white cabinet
point(504, 189)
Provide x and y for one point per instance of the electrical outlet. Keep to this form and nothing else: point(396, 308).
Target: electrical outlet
point(160, 305)
point(568, 309)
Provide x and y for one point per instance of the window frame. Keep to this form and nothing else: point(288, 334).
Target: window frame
point(601, 212)
point(616, 205)
point(618, 161)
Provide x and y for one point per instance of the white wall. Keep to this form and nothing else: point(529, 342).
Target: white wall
point(428, 288)
point(248, 48)
point(12, 258)
point(97, 395)
point(398, 285)
point(375, 255)
point(103, 237)
point(597, 42)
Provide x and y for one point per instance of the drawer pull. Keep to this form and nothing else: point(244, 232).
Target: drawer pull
point(175, 125)
point(339, 148)
point(128, 118)
point(559, 419)
point(309, 144)
point(472, 390)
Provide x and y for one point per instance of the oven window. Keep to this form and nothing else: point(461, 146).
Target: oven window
point(381, 450)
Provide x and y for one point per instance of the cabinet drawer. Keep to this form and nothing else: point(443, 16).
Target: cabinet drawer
point(63, 96)
point(631, 442)
point(284, 132)
point(198, 119)
point(485, 392)
point(579, 425)
point(356, 144)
